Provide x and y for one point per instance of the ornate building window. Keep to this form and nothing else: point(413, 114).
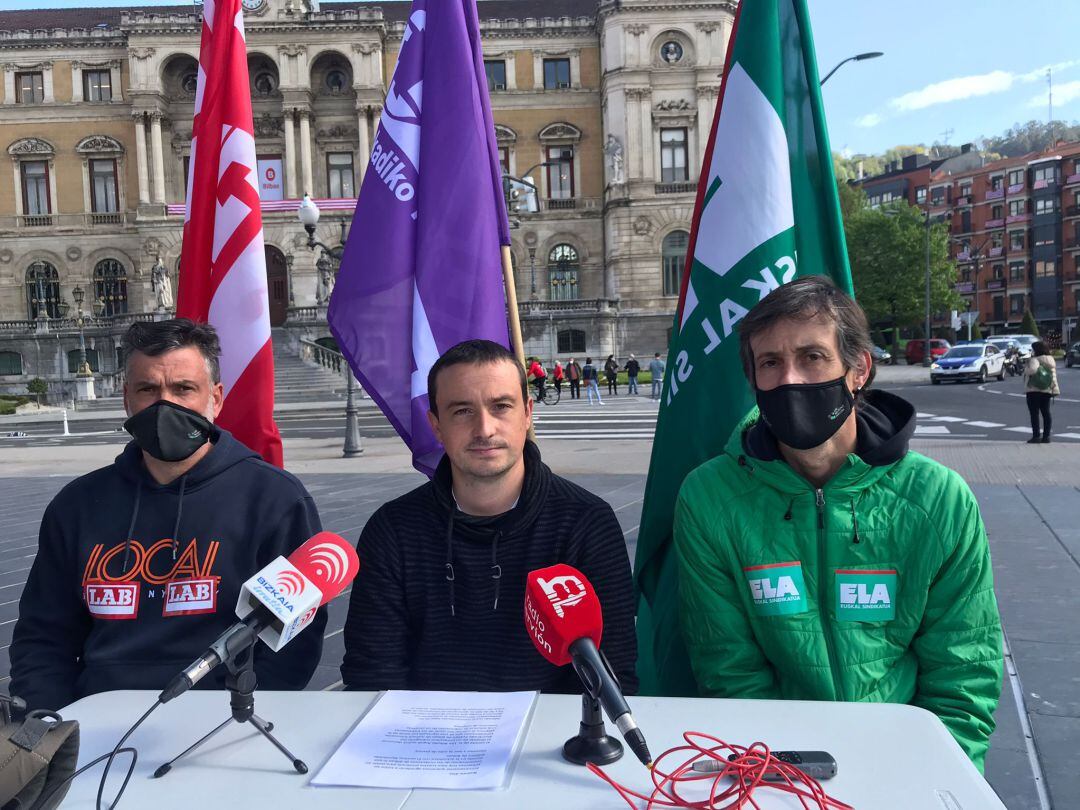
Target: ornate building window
point(73, 359)
point(339, 175)
point(110, 287)
point(556, 74)
point(42, 291)
point(102, 157)
point(673, 162)
point(495, 69)
point(97, 85)
point(10, 363)
point(35, 188)
point(506, 139)
point(561, 173)
point(673, 258)
point(563, 268)
point(29, 87)
point(571, 341)
point(96, 82)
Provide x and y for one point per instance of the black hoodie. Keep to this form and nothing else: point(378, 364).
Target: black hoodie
point(133, 580)
point(412, 627)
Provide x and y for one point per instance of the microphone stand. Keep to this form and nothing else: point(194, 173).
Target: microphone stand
point(241, 683)
point(592, 743)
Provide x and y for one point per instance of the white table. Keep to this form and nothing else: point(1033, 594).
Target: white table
point(890, 757)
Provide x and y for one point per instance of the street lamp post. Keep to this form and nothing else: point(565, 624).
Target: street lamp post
point(309, 218)
point(859, 57)
point(84, 376)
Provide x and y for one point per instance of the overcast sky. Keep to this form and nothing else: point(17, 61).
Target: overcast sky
point(953, 69)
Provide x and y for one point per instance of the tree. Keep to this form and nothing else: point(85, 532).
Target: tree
point(976, 331)
point(38, 387)
point(1028, 325)
point(887, 250)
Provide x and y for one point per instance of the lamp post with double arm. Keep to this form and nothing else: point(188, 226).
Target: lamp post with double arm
point(308, 214)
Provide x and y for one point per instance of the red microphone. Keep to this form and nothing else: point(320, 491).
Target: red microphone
point(565, 622)
point(277, 603)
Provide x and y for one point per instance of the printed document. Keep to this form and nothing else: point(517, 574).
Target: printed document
point(448, 740)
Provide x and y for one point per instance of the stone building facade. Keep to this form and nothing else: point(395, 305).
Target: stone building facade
point(605, 104)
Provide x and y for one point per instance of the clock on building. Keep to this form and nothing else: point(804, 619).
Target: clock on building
point(252, 5)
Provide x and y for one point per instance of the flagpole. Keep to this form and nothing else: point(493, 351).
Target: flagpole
point(512, 310)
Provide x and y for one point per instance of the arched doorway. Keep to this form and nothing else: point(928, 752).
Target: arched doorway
point(277, 285)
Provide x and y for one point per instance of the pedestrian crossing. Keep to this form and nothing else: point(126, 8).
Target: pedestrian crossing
point(956, 427)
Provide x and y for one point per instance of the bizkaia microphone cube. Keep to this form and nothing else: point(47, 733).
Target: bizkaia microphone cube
point(290, 596)
point(561, 607)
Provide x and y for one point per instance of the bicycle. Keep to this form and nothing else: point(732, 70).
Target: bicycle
point(551, 396)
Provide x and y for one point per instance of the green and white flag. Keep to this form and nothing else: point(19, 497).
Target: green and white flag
point(767, 211)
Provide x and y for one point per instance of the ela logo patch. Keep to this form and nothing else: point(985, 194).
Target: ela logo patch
point(865, 596)
point(777, 589)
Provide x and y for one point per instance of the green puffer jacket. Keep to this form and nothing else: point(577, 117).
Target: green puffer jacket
point(877, 587)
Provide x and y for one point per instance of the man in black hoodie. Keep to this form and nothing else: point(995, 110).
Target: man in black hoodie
point(438, 602)
point(140, 563)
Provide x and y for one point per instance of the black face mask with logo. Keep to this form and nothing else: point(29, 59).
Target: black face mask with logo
point(805, 415)
point(169, 432)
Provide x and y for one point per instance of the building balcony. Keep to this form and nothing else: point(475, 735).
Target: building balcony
point(676, 188)
point(965, 287)
point(994, 223)
point(962, 200)
point(995, 194)
point(1013, 218)
point(963, 256)
point(554, 204)
point(995, 284)
point(575, 306)
point(1072, 243)
point(31, 223)
point(1015, 188)
point(91, 325)
point(1072, 211)
point(995, 252)
point(1072, 178)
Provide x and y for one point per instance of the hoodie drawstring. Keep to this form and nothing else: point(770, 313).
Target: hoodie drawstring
point(496, 569)
point(787, 515)
point(131, 526)
point(179, 512)
point(450, 559)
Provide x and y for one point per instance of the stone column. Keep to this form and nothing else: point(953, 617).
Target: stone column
point(305, 152)
point(633, 135)
point(648, 146)
point(289, 158)
point(706, 101)
point(364, 144)
point(376, 114)
point(140, 159)
point(159, 158)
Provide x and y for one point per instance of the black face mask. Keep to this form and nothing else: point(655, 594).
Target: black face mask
point(169, 432)
point(805, 415)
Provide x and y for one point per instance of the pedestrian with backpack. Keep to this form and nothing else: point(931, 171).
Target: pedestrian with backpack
point(1041, 386)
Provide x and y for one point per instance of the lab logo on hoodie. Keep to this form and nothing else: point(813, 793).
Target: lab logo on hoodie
point(106, 600)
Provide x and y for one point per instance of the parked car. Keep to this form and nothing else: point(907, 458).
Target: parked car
point(1072, 356)
point(916, 349)
point(881, 356)
point(973, 361)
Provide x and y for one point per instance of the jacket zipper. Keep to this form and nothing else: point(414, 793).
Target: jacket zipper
point(826, 626)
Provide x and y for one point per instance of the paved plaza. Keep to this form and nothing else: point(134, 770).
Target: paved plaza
point(1028, 496)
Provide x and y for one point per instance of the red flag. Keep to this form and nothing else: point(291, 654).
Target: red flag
point(222, 264)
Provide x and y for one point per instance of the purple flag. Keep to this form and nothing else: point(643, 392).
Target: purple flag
point(422, 269)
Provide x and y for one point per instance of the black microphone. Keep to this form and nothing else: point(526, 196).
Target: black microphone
point(593, 668)
point(276, 604)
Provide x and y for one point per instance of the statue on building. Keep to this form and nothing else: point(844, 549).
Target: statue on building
point(324, 284)
point(614, 152)
point(162, 286)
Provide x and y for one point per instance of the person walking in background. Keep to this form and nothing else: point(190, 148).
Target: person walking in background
point(611, 372)
point(573, 374)
point(656, 369)
point(1041, 386)
point(632, 369)
point(592, 381)
point(557, 375)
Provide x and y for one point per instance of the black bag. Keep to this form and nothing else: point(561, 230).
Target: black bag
point(38, 753)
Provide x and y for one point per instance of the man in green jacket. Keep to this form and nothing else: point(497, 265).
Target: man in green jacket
point(819, 558)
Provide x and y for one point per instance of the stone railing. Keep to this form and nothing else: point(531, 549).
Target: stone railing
point(675, 188)
point(90, 323)
point(35, 222)
point(310, 314)
point(575, 305)
point(313, 352)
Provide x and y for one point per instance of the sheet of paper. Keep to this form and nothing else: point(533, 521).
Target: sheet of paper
point(448, 740)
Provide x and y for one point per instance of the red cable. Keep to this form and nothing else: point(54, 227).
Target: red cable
point(746, 774)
